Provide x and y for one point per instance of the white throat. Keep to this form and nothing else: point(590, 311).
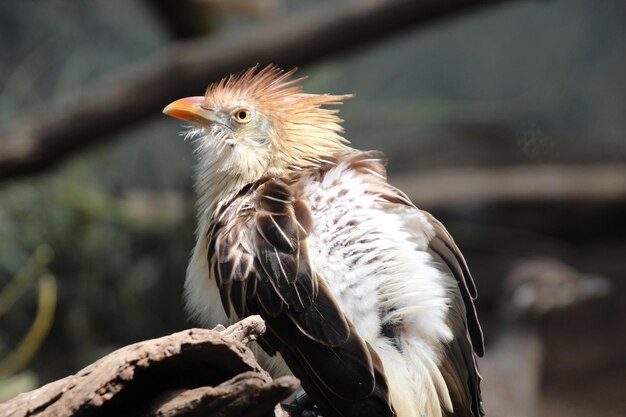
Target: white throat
point(223, 166)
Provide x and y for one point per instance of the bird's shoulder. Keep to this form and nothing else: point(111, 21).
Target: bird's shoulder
point(337, 174)
point(260, 233)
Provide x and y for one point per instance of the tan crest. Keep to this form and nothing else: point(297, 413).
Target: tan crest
point(305, 128)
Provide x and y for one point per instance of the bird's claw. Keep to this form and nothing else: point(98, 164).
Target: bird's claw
point(295, 410)
point(302, 406)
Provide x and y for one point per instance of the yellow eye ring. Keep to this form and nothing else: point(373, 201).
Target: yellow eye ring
point(242, 115)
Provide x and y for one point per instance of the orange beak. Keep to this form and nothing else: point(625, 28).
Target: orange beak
point(189, 109)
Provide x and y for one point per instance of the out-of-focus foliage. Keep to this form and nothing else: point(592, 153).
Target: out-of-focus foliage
point(116, 260)
point(121, 241)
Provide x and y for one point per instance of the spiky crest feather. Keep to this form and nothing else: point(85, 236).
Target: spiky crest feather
point(304, 128)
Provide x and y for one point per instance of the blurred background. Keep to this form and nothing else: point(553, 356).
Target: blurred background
point(505, 119)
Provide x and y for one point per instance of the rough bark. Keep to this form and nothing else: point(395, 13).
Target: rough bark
point(247, 394)
point(190, 373)
point(42, 138)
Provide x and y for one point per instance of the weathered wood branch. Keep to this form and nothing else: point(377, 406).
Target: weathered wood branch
point(247, 394)
point(42, 138)
point(190, 373)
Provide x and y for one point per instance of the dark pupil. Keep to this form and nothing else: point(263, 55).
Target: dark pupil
point(242, 114)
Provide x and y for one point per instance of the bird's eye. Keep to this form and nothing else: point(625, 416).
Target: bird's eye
point(243, 115)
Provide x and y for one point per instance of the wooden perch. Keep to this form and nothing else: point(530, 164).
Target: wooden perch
point(40, 139)
point(247, 394)
point(190, 373)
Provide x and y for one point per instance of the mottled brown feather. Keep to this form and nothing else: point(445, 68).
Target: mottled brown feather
point(458, 364)
point(339, 371)
point(443, 245)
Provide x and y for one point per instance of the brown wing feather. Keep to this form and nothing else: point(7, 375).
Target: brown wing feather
point(259, 253)
point(458, 365)
point(443, 245)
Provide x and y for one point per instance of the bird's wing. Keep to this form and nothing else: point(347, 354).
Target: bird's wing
point(443, 248)
point(258, 252)
point(458, 365)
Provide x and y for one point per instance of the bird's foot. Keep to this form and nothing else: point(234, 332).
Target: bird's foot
point(302, 406)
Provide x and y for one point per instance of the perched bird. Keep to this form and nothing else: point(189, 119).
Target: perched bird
point(367, 299)
point(533, 290)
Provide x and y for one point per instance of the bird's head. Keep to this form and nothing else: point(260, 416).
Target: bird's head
point(540, 286)
point(258, 123)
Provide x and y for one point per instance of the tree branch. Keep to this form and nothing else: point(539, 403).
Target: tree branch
point(188, 373)
point(37, 141)
point(604, 183)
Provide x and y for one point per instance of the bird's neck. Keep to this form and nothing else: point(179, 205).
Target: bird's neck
point(214, 186)
point(214, 182)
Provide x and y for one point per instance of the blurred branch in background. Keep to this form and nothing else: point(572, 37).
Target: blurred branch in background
point(192, 18)
point(36, 141)
point(583, 183)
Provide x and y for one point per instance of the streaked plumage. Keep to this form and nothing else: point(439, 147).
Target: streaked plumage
point(367, 298)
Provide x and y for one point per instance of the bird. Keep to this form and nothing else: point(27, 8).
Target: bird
point(366, 298)
point(533, 290)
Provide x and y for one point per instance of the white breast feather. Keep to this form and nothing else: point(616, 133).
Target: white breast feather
point(374, 260)
point(202, 298)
